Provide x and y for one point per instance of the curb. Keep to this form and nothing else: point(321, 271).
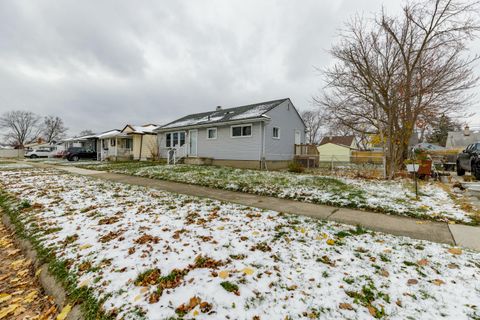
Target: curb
point(47, 281)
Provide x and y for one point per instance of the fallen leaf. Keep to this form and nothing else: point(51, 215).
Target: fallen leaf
point(438, 282)
point(330, 242)
point(224, 274)
point(422, 262)
point(453, 266)
point(38, 272)
point(384, 273)
point(8, 310)
point(30, 297)
point(85, 246)
point(456, 251)
point(412, 281)
point(138, 297)
point(64, 313)
point(248, 271)
point(196, 313)
point(4, 297)
point(345, 306)
point(372, 311)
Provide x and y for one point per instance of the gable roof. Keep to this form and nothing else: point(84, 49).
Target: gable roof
point(340, 140)
point(251, 111)
point(145, 129)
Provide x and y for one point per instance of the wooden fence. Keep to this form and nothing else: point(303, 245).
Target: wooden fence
point(364, 157)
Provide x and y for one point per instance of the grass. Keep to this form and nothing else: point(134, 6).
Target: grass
point(91, 306)
point(305, 188)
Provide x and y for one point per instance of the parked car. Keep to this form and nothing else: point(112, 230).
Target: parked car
point(38, 153)
point(77, 153)
point(469, 160)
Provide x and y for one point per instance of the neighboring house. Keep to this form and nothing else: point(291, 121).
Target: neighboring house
point(461, 139)
point(261, 135)
point(337, 148)
point(144, 140)
point(88, 142)
point(114, 145)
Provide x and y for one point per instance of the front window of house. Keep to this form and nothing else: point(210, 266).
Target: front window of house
point(175, 139)
point(212, 133)
point(242, 131)
point(276, 133)
point(112, 142)
point(128, 144)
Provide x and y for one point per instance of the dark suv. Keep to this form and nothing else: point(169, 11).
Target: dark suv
point(76, 153)
point(469, 160)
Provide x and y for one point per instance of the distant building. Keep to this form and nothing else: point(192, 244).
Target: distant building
point(461, 139)
point(337, 148)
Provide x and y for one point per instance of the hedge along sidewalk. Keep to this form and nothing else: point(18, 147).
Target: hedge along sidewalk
point(54, 277)
point(466, 236)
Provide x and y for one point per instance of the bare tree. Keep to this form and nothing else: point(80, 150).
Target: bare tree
point(313, 121)
point(22, 127)
point(86, 132)
point(53, 128)
point(393, 71)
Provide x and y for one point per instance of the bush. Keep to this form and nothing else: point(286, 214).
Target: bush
point(295, 167)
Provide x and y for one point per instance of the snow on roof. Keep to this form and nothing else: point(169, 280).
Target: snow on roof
point(252, 111)
point(148, 128)
point(110, 134)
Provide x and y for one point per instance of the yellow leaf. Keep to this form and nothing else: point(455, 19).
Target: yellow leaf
point(456, 251)
point(85, 246)
point(220, 228)
point(330, 242)
point(84, 283)
point(138, 297)
point(255, 233)
point(302, 230)
point(195, 313)
point(38, 272)
point(29, 298)
point(17, 263)
point(64, 313)
point(224, 274)
point(8, 310)
point(4, 297)
point(248, 271)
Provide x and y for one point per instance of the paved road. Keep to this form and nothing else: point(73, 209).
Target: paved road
point(466, 236)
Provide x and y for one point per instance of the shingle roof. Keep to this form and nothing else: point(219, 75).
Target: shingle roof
point(458, 139)
point(341, 140)
point(251, 111)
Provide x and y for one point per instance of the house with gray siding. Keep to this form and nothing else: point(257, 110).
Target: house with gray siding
point(260, 135)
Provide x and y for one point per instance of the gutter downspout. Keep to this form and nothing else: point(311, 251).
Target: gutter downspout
point(141, 145)
point(263, 148)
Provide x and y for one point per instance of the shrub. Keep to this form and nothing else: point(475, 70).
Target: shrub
point(295, 167)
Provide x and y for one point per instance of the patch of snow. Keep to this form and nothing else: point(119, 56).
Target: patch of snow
point(285, 266)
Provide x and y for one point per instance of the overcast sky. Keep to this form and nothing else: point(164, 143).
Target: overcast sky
point(102, 64)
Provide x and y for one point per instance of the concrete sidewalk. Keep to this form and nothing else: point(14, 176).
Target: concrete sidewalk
point(465, 236)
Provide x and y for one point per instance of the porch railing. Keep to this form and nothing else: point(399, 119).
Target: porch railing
point(307, 155)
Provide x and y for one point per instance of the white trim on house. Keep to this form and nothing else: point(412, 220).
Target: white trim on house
point(216, 133)
point(172, 142)
point(241, 126)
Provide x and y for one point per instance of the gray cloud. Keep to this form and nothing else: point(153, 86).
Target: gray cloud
point(101, 64)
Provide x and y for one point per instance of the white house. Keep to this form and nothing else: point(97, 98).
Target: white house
point(260, 135)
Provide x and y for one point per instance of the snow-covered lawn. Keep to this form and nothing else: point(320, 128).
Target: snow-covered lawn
point(393, 197)
point(155, 255)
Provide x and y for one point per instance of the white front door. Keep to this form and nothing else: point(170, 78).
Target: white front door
point(193, 134)
point(298, 137)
